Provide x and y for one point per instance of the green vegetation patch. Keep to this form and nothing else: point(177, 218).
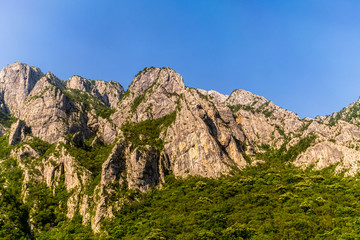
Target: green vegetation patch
point(144, 70)
point(14, 213)
point(6, 119)
point(148, 132)
point(90, 157)
point(281, 156)
point(237, 107)
point(39, 95)
point(137, 102)
point(5, 147)
point(125, 95)
point(262, 109)
point(348, 114)
point(43, 148)
point(90, 102)
point(257, 203)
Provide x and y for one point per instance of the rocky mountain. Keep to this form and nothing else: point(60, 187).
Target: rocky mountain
point(93, 143)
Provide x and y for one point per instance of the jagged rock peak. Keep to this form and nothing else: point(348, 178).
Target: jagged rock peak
point(80, 83)
point(349, 114)
point(243, 97)
point(87, 85)
point(108, 92)
point(48, 81)
point(16, 82)
point(214, 95)
point(167, 78)
point(51, 78)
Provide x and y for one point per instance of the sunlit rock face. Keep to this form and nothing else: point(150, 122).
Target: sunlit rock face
point(101, 140)
point(16, 82)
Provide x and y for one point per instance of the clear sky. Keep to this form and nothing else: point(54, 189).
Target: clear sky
point(303, 55)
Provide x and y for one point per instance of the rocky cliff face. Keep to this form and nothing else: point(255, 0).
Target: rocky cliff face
point(200, 138)
point(16, 82)
point(53, 108)
point(265, 124)
point(100, 142)
point(107, 92)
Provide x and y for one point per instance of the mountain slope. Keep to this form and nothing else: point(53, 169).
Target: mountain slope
point(94, 147)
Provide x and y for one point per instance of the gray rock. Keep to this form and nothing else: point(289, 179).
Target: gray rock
point(48, 111)
point(16, 82)
point(204, 138)
point(107, 92)
point(17, 132)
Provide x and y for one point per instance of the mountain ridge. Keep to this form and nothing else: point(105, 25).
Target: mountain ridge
point(99, 141)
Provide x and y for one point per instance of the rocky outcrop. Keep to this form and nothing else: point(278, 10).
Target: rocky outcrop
point(196, 136)
point(50, 170)
point(337, 138)
point(51, 109)
point(16, 82)
point(214, 95)
point(107, 92)
point(23, 154)
point(17, 132)
point(203, 139)
point(105, 130)
point(151, 95)
point(263, 121)
point(326, 153)
point(143, 168)
point(49, 112)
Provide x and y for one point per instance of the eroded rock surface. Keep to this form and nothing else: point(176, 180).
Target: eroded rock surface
point(158, 126)
point(16, 82)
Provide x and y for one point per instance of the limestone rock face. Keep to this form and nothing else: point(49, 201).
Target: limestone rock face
point(262, 121)
point(325, 154)
point(48, 111)
point(105, 130)
point(111, 169)
point(143, 169)
point(17, 132)
point(107, 92)
point(203, 139)
point(214, 95)
point(16, 82)
point(114, 165)
point(21, 154)
point(151, 95)
point(51, 109)
point(336, 136)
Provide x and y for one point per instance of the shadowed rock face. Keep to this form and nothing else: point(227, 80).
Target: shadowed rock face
point(17, 133)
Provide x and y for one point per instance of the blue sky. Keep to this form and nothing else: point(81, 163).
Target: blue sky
point(303, 55)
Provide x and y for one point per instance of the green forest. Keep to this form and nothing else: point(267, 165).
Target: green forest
point(270, 201)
